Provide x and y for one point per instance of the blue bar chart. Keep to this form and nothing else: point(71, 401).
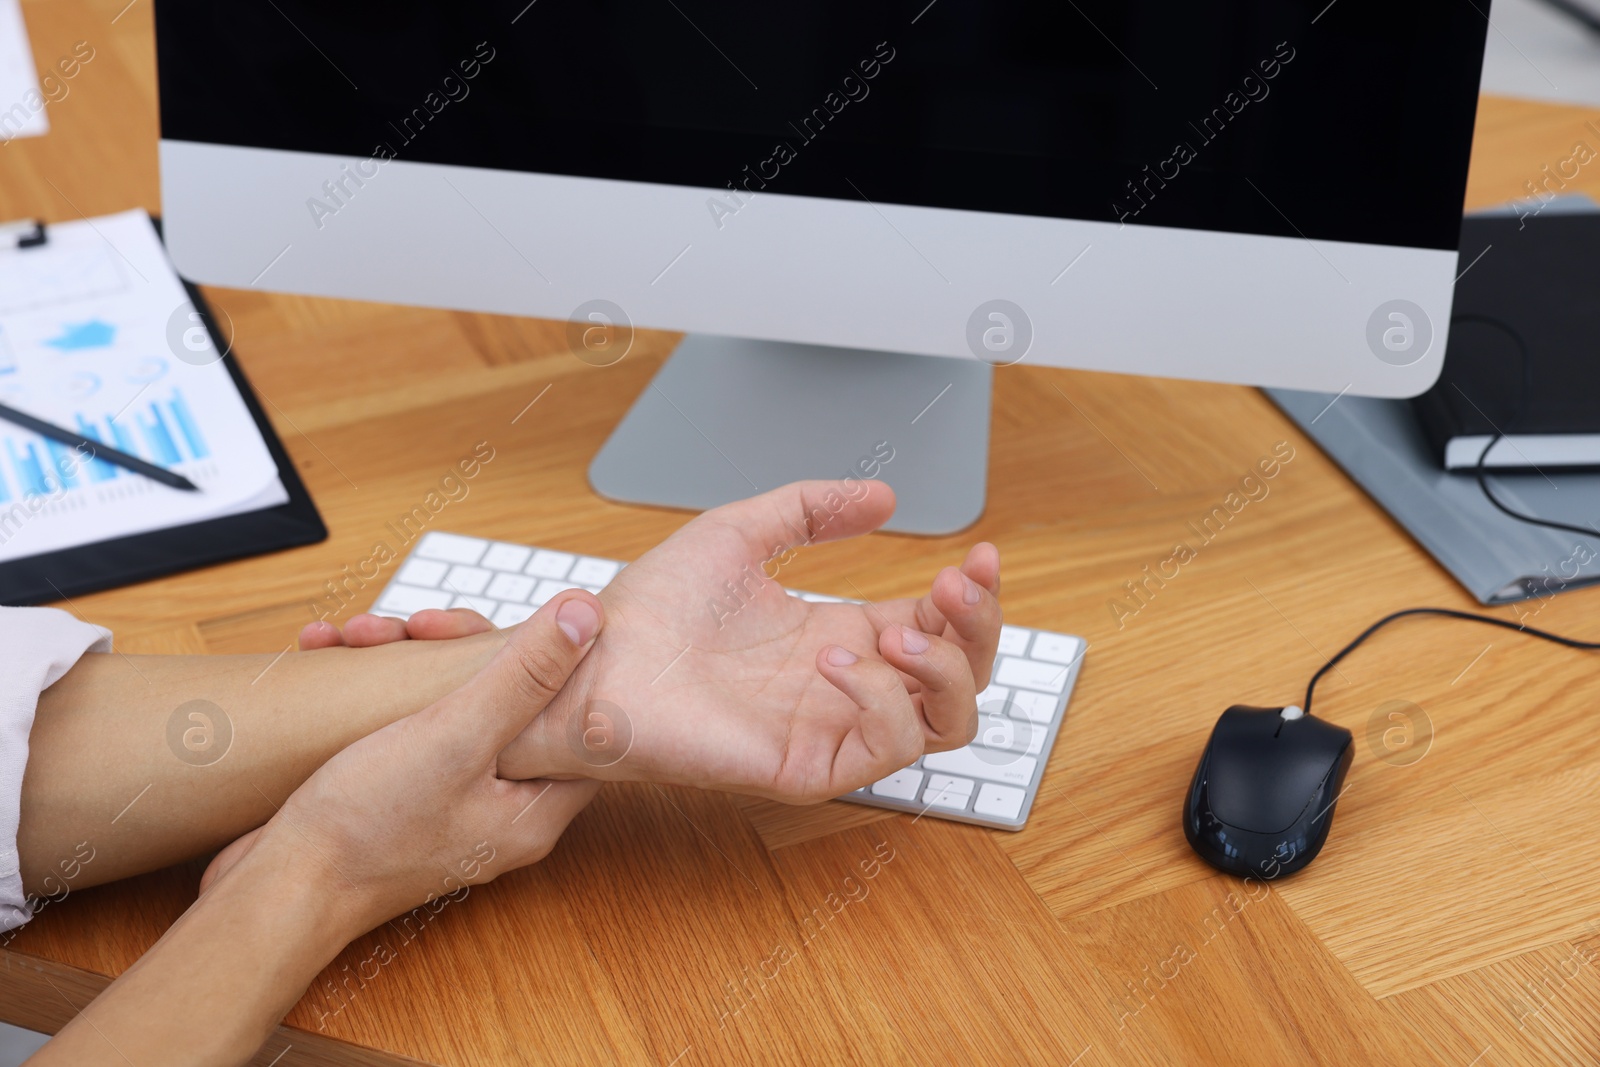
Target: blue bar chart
point(164, 432)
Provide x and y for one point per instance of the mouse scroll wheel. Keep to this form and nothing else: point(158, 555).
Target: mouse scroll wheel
point(1291, 713)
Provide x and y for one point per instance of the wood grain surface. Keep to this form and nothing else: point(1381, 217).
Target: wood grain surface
point(1454, 917)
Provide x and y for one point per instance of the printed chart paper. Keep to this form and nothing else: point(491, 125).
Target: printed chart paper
point(98, 336)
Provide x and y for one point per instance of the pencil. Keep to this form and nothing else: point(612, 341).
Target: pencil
point(96, 450)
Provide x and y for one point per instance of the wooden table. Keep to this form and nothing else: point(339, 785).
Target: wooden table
point(1452, 918)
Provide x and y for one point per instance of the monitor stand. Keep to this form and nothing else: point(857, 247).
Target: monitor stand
point(726, 418)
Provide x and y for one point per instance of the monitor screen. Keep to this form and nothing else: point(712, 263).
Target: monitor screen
point(1348, 120)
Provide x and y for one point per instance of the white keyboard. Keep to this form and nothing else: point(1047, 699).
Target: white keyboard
point(991, 782)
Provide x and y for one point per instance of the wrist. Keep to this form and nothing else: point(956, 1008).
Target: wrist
point(421, 672)
point(303, 886)
point(366, 689)
point(253, 943)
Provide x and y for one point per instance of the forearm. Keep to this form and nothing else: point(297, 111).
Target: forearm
point(252, 945)
point(114, 764)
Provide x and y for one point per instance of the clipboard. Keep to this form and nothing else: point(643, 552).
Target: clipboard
point(91, 568)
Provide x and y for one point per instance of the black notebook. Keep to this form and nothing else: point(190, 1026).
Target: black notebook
point(1523, 356)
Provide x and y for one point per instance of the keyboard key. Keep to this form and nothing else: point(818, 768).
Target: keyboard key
point(944, 783)
point(503, 557)
point(467, 581)
point(548, 564)
point(424, 572)
point(406, 600)
point(453, 548)
point(969, 764)
point(548, 589)
point(1035, 707)
point(1049, 677)
point(594, 571)
point(999, 801)
point(949, 800)
point(994, 698)
point(1013, 641)
point(511, 614)
point(1056, 648)
point(512, 587)
point(901, 785)
point(1009, 735)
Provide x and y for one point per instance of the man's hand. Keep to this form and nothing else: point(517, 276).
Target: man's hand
point(710, 675)
point(400, 818)
point(104, 734)
point(362, 631)
point(419, 798)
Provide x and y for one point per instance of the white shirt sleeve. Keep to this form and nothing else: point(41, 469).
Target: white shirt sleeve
point(37, 646)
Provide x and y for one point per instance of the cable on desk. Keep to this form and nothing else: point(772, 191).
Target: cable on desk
point(1483, 483)
point(1490, 620)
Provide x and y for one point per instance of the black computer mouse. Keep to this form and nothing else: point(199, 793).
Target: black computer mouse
point(1262, 798)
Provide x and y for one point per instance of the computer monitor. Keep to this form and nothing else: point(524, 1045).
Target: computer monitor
point(822, 194)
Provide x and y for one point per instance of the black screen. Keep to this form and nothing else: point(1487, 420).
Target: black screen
point(1344, 121)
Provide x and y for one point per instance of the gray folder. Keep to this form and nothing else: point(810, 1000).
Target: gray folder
point(1497, 558)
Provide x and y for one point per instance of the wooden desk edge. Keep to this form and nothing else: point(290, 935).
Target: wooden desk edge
point(42, 995)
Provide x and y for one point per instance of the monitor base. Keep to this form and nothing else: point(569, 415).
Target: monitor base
point(726, 418)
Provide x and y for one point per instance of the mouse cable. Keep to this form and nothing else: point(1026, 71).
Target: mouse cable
point(1483, 484)
point(1449, 613)
point(1522, 391)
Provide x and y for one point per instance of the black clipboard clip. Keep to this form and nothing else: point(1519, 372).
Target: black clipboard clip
point(25, 233)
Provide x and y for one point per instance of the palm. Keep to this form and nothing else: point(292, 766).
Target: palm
point(707, 673)
point(741, 702)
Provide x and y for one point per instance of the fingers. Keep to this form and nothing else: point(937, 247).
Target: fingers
point(889, 734)
point(364, 631)
point(982, 565)
point(972, 613)
point(949, 695)
point(430, 624)
point(806, 513)
point(433, 624)
point(527, 672)
point(320, 635)
point(949, 609)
